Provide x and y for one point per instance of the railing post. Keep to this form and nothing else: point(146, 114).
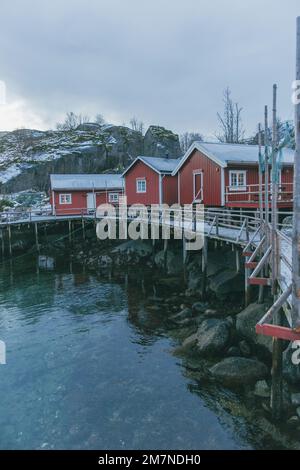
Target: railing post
point(217, 225)
point(247, 229)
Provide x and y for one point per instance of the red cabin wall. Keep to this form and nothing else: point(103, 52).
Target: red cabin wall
point(170, 189)
point(77, 206)
point(79, 201)
point(140, 170)
point(211, 180)
point(287, 174)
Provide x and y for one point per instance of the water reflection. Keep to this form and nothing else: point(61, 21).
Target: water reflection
point(89, 366)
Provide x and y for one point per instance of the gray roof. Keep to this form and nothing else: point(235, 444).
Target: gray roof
point(224, 154)
point(241, 152)
point(161, 165)
point(101, 181)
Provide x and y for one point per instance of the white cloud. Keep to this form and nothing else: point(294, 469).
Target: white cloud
point(17, 114)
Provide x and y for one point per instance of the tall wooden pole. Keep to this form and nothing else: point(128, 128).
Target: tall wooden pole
point(296, 219)
point(276, 388)
point(260, 175)
point(266, 167)
point(261, 202)
point(274, 193)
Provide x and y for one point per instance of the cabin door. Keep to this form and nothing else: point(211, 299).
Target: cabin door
point(91, 201)
point(198, 186)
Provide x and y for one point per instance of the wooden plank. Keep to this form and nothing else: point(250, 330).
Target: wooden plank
point(259, 281)
point(251, 264)
point(280, 332)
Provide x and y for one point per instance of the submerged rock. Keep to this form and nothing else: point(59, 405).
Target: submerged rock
point(238, 371)
point(295, 399)
point(104, 261)
point(262, 389)
point(199, 307)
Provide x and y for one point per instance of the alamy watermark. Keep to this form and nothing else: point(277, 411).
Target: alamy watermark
point(296, 92)
point(155, 222)
point(2, 352)
point(2, 92)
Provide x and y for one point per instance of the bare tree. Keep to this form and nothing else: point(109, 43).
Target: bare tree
point(188, 138)
point(231, 121)
point(137, 125)
point(99, 119)
point(72, 121)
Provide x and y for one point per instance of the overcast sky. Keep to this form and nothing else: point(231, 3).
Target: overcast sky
point(165, 61)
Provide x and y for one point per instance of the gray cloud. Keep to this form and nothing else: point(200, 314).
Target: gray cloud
point(165, 61)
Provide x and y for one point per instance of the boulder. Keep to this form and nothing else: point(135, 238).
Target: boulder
point(245, 348)
point(227, 283)
point(173, 262)
point(238, 371)
point(213, 337)
point(233, 351)
point(246, 322)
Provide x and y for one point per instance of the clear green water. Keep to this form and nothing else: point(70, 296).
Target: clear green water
point(89, 368)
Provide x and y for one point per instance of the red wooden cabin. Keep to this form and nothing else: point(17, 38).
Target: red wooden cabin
point(217, 174)
point(149, 180)
point(81, 194)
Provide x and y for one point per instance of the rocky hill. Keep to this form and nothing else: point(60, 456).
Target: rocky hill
point(27, 156)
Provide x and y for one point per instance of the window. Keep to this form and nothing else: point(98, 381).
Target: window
point(65, 198)
point(141, 186)
point(237, 180)
point(113, 197)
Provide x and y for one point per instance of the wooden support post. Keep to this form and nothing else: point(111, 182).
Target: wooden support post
point(165, 253)
point(83, 228)
point(237, 260)
point(70, 231)
point(2, 243)
point(9, 240)
point(204, 267)
point(296, 218)
point(184, 251)
point(36, 236)
point(247, 286)
point(276, 373)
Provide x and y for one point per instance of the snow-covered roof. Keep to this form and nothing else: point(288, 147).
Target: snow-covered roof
point(160, 165)
point(224, 154)
point(101, 181)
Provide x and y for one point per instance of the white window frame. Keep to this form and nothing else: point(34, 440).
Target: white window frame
point(113, 197)
point(138, 181)
point(63, 198)
point(238, 173)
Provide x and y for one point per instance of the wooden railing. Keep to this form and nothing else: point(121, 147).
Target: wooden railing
point(251, 194)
